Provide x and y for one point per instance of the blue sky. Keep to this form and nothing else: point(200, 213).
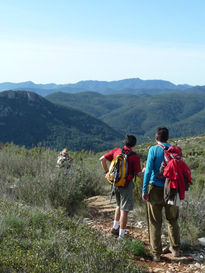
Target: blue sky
point(68, 41)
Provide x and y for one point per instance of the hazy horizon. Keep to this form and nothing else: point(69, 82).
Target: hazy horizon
point(60, 83)
point(71, 41)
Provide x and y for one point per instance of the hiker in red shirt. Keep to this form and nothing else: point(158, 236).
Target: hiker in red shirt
point(124, 195)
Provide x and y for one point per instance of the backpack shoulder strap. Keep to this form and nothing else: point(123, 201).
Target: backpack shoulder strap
point(162, 146)
point(155, 155)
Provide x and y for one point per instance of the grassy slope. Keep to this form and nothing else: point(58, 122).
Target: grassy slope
point(33, 240)
point(36, 199)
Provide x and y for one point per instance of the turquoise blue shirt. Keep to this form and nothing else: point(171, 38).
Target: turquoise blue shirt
point(154, 160)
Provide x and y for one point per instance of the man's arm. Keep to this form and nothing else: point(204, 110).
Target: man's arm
point(103, 161)
point(147, 174)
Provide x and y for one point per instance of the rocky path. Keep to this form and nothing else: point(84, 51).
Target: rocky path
point(101, 213)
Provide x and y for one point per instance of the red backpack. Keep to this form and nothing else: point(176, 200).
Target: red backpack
point(174, 166)
point(172, 152)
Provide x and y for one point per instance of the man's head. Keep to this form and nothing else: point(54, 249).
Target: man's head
point(64, 152)
point(162, 134)
point(130, 141)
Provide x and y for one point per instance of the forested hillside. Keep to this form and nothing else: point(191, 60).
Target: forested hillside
point(183, 113)
point(93, 121)
point(30, 120)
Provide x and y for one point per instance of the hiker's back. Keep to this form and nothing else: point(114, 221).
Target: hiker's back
point(133, 164)
point(154, 161)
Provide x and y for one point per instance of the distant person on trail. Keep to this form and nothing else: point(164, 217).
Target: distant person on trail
point(124, 195)
point(64, 160)
point(153, 194)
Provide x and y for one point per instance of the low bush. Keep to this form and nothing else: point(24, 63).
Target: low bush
point(136, 247)
point(33, 240)
point(31, 177)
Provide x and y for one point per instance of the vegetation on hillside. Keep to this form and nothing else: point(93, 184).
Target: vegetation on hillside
point(33, 240)
point(42, 209)
point(37, 201)
point(183, 113)
point(28, 119)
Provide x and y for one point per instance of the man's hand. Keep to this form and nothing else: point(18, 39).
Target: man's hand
point(104, 164)
point(145, 197)
point(140, 174)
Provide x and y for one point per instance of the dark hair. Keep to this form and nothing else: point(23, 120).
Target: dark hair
point(130, 141)
point(162, 134)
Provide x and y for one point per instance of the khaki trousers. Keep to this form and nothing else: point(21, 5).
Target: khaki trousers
point(155, 206)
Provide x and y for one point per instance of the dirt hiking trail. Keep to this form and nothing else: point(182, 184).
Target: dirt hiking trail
point(101, 213)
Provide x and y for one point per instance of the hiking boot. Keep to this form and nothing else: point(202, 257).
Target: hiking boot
point(156, 258)
point(115, 232)
point(175, 252)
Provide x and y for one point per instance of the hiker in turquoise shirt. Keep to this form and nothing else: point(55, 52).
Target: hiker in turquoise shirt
point(153, 194)
point(154, 160)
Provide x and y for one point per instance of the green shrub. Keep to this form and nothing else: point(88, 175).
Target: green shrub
point(192, 219)
point(40, 241)
point(14, 224)
point(136, 247)
point(31, 177)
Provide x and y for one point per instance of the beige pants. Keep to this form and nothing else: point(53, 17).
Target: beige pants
point(155, 206)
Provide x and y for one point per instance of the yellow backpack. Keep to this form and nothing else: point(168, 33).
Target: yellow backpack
point(118, 170)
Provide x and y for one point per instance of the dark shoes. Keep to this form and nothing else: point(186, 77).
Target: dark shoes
point(174, 252)
point(115, 232)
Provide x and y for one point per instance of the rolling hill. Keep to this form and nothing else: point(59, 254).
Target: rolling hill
point(183, 113)
point(28, 119)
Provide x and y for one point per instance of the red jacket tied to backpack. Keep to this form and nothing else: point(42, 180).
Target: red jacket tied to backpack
point(176, 170)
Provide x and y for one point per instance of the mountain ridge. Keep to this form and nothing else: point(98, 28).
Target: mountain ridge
point(104, 87)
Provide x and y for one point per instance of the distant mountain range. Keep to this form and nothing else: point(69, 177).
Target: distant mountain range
point(30, 120)
point(126, 86)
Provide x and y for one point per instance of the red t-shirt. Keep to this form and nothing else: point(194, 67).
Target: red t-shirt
point(134, 166)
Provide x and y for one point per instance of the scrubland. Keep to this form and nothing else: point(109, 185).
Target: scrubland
point(41, 207)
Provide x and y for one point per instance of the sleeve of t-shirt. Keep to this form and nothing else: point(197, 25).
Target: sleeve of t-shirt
point(110, 155)
point(137, 165)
